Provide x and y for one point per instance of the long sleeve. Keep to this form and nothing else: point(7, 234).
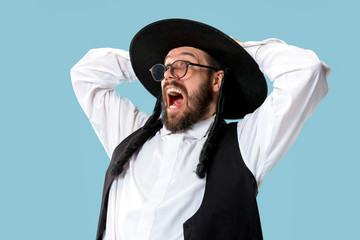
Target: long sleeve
point(94, 78)
point(299, 84)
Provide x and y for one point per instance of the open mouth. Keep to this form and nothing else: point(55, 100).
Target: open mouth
point(175, 98)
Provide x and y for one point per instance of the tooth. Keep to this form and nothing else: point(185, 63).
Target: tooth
point(173, 106)
point(171, 90)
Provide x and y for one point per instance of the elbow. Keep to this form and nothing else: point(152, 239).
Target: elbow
point(319, 69)
point(77, 82)
point(312, 61)
point(78, 70)
point(73, 73)
point(319, 72)
point(316, 65)
point(76, 76)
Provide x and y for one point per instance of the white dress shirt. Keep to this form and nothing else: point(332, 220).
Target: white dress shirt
point(158, 189)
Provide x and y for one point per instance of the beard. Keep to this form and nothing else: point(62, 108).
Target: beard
point(197, 106)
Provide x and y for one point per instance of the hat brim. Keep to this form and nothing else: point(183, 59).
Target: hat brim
point(245, 89)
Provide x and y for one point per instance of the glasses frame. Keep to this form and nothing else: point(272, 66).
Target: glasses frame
point(187, 64)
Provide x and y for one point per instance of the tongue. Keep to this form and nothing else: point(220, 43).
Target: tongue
point(178, 102)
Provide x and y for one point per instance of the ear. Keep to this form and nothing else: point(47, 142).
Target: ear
point(217, 79)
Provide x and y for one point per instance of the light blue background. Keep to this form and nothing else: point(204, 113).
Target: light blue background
point(52, 164)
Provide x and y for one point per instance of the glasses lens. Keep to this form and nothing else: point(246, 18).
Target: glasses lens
point(157, 72)
point(179, 69)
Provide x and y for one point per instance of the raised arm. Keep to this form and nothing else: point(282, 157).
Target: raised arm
point(299, 84)
point(94, 78)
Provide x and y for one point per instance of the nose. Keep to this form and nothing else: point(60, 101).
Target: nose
point(167, 74)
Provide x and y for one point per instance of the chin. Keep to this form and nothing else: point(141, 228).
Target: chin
point(178, 122)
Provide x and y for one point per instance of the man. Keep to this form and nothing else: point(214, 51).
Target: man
point(190, 175)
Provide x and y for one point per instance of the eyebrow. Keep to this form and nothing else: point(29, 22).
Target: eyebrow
point(184, 54)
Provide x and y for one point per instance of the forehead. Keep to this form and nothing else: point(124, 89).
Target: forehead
point(188, 52)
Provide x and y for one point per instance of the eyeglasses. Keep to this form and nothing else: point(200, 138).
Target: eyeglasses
point(178, 69)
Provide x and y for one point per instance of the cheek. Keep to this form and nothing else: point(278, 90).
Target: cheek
point(197, 87)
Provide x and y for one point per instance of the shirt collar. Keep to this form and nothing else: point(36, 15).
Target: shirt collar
point(198, 130)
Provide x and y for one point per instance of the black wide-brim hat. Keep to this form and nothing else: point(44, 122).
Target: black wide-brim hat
point(245, 88)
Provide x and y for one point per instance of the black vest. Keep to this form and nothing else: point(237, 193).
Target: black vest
point(228, 211)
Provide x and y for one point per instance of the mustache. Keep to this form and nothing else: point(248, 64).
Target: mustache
point(177, 85)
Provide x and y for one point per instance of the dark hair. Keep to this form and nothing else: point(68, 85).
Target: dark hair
point(211, 142)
